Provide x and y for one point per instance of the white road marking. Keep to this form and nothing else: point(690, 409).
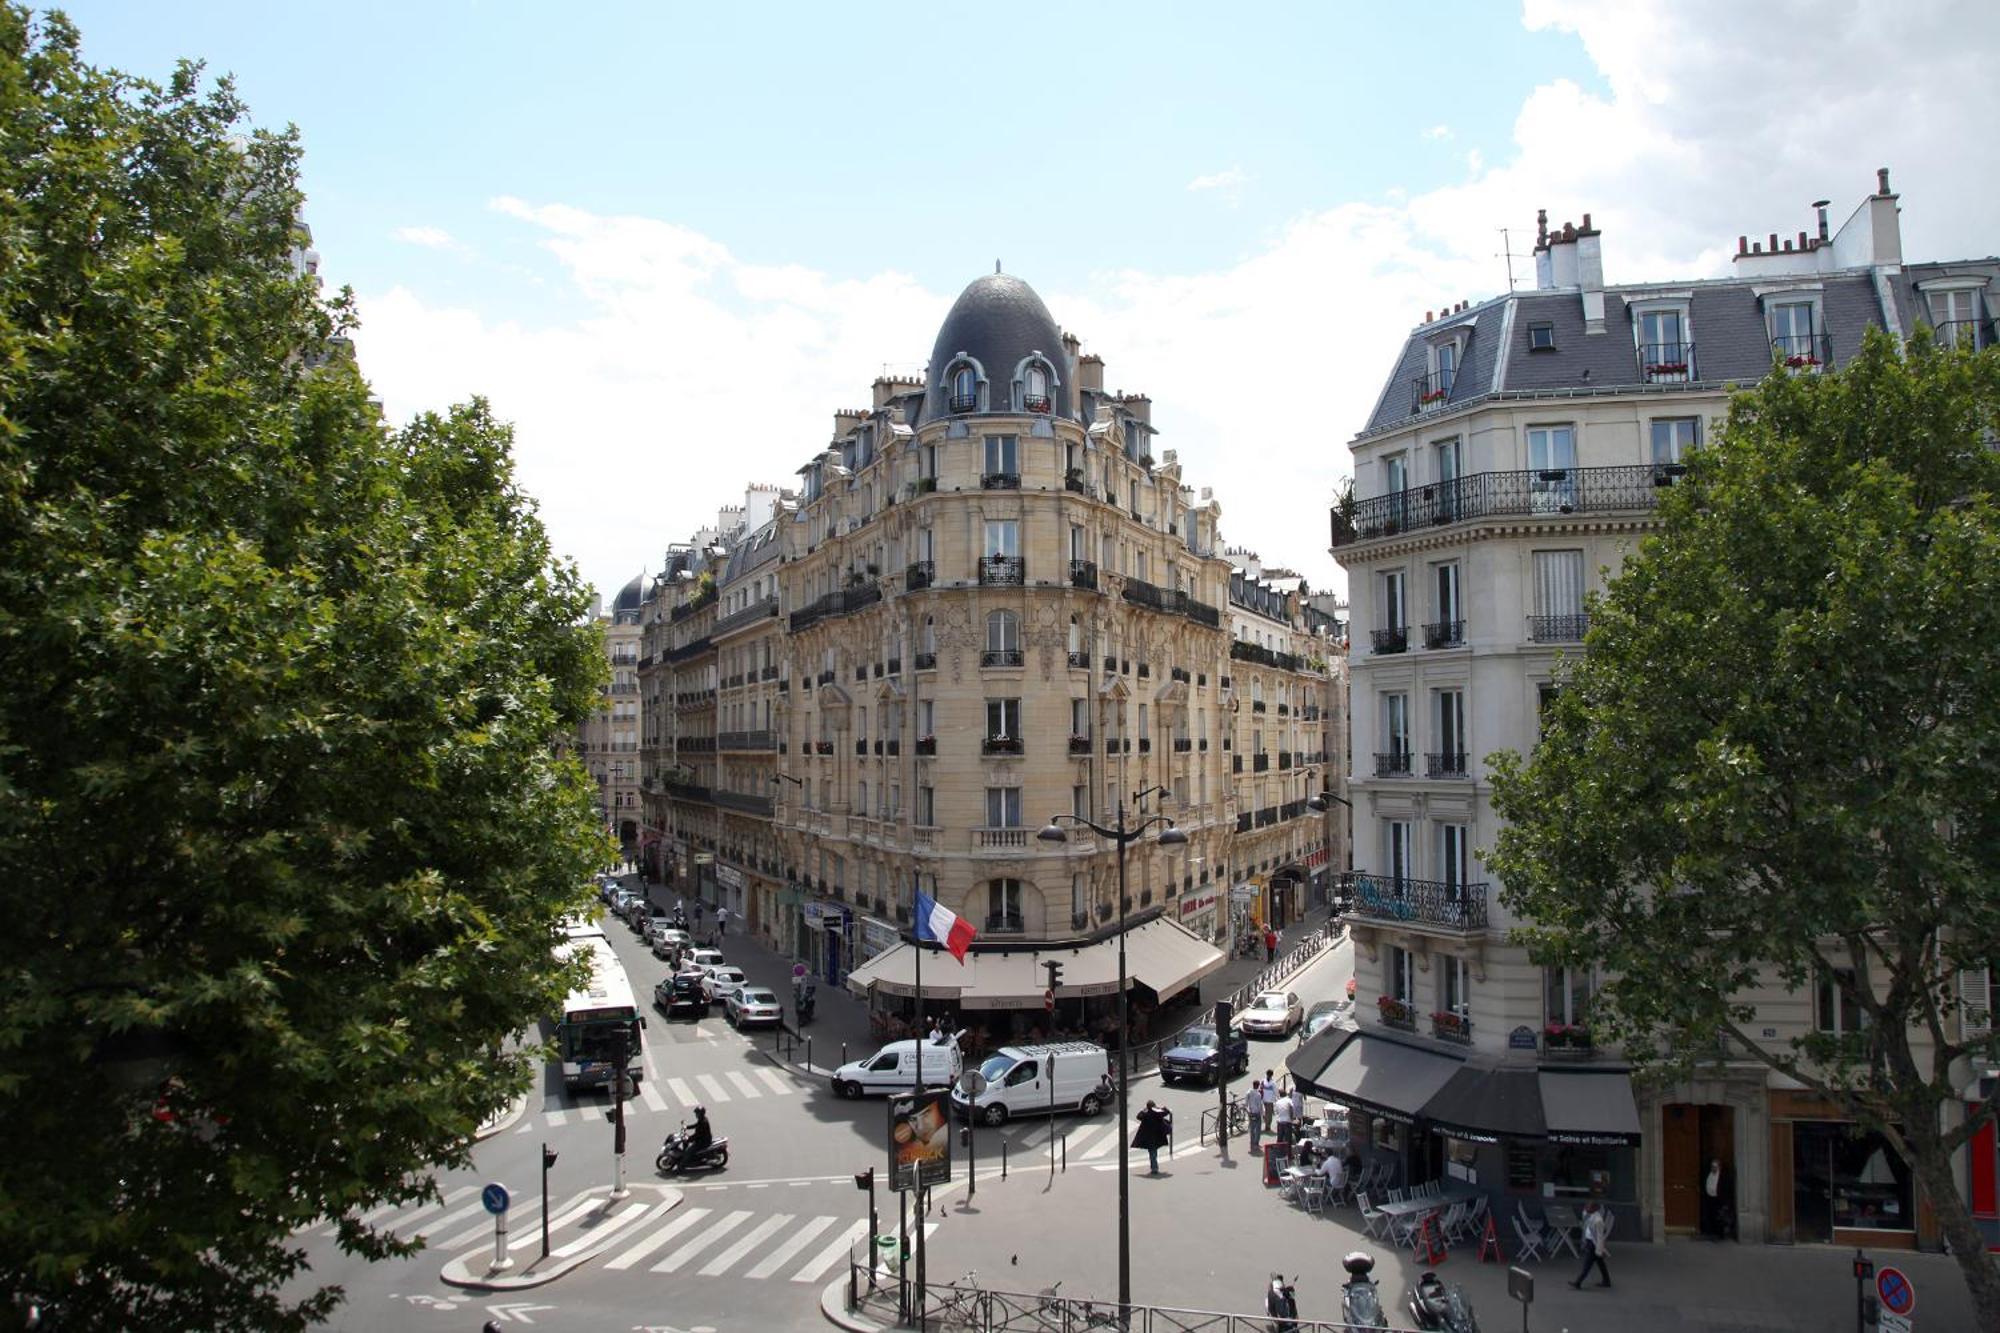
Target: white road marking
point(557, 1223)
point(1103, 1143)
point(681, 1222)
point(712, 1085)
point(722, 1263)
point(404, 1219)
point(682, 1092)
point(743, 1085)
point(777, 1083)
point(799, 1240)
point(558, 1117)
point(650, 1095)
point(604, 1232)
point(378, 1211)
point(703, 1241)
point(437, 1224)
point(832, 1254)
point(526, 1125)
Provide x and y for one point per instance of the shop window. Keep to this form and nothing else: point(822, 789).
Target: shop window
point(1845, 1176)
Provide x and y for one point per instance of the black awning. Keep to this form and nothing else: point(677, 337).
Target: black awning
point(1383, 1077)
point(1488, 1105)
point(1593, 1107)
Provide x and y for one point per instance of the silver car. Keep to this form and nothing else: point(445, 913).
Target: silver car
point(1275, 1013)
point(752, 1006)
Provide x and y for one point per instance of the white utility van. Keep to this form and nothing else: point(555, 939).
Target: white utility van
point(894, 1068)
point(1030, 1080)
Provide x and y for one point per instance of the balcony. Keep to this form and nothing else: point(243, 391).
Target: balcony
point(1080, 661)
point(892, 747)
point(1450, 765)
point(690, 650)
point(918, 574)
point(987, 839)
point(1444, 634)
point(1005, 923)
point(1557, 629)
point(927, 745)
point(1001, 657)
point(1145, 671)
point(768, 673)
point(1243, 822)
point(1113, 745)
point(1583, 490)
point(1260, 763)
point(1004, 571)
point(1421, 902)
point(1145, 745)
point(963, 402)
point(826, 678)
point(1079, 745)
point(1000, 745)
point(823, 747)
point(747, 740)
point(1035, 402)
point(749, 615)
point(861, 749)
point(1395, 1013)
point(1569, 1042)
point(843, 602)
point(1431, 392)
point(1666, 363)
point(742, 802)
point(1803, 351)
point(1083, 574)
point(1073, 481)
point(1393, 640)
point(1448, 1026)
point(925, 662)
point(1180, 674)
point(1183, 745)
point(1975, 334)
point(1257, 706)
point(895, 666)
point(1000, 481)
point(1284, 760)
point(1244, 651)
point(1395, 764)
point(1235, 762)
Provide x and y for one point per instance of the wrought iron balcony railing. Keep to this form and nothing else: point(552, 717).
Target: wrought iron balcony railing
point(1803, 351)
point(1450, 764)
point(918, 575)
point(1001, 657)
point(762, 610)
point(925, 662)
point(1582, 490)
point(1426, 902)
point(742, 801)
point(1002, 570)
point(1667, 363)
point(1083, 574)
point(963, 402)
point(1558, 629)
point(1000, 745)
point(1243, 650)
point(1432, 391)
point(1000, 481)
point(1395, 764)
point(1395, 639)
point(747, 740)
point(1444, 634)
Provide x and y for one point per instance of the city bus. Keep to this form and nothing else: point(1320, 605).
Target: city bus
point(596, 1017)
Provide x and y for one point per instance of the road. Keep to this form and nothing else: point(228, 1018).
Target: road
point(748, 1247)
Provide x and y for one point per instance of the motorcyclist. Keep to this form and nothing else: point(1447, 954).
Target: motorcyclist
point(700, 1135)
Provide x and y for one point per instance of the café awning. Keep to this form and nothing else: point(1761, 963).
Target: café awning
point(1488, 1105)
point(1361, 1069)
point(1159, 955)
point(1589, 1106)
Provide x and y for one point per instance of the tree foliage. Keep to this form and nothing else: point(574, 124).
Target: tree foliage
point(284, 839)
point(1775, 762)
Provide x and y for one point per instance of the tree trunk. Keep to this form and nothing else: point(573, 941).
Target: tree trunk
point(1982, 1277)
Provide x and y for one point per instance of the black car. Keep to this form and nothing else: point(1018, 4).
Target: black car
point(1198, 1055)
point(682, 996)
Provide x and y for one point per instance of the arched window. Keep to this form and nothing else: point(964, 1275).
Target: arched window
point(1035, 387)
point(1003, 640)
point(964, 387)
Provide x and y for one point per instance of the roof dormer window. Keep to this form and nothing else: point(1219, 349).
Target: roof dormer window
point(1955, 314)
point(964, 387)
point(1666, 353)
point(1034, 384)
point(1433, 388)
point(1798, 337)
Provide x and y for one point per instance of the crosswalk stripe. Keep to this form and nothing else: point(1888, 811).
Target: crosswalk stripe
point(743, 1085)
point(552, 1102)
point(531, 1237)
point(1037, 1136)
point(777, 1084)
point(681, 1222)
point(603, 1232)
point(526, 1125)
point(1103, 1143)
point(682, 1092)
point(703, 1241)
point(712, 1085)
point(404, 1219)
point(437, 1224)
point(799, 1240)
point(558, 1117)
point(650, 1095)
point(722, 1263)
point(483, 1229)
point(831, 1255)
point(367, 1217)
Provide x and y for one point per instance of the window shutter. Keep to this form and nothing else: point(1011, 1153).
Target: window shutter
point(1975, 1000)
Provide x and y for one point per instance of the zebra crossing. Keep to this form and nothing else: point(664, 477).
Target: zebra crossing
point(670, 1095)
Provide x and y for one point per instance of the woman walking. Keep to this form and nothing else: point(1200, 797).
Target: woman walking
point(1155, 1124)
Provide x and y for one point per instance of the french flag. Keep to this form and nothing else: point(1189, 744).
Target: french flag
point(940, 925)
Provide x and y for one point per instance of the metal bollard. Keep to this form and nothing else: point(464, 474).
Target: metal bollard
point(809, 1050)
point(1003, 1159)
point(1065, 1152)
point(843, 1052)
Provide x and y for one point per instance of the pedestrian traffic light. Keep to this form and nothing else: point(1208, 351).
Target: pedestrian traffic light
point(865, 1180)
point(548, 1157)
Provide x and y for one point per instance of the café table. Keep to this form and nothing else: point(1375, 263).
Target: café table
point(1562, 1220)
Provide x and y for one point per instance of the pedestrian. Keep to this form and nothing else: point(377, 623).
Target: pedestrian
point(1270, 945)
point(1287, 1124)
point(936, 1034)
point(1352, 1162)
point(1270, 1097)
point(1154, 1124)
point(1298, 1106)
point(721, 922)
point(1596, 1243)
point(1253, 1109)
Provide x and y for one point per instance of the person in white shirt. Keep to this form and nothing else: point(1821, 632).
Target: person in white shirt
point(1253, 1107)
point(1285, 1117)
point(1596, 1241)
point(1336, 1173)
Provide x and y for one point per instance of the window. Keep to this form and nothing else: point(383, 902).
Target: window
point(1449, 715)
point(1450, 616)
point(1664, 352)
point(1079, 717)
point(1792, 334)
point(1552, 460)
point(1399, 982)
point(1955, 315)
point(1542, 336)
point(1002, 457)
point(927, 806)
point(1003, 639)
point(1673, 437)
point(1545, 699)
point(1455, 855)
point(1003, 807)
point(964, 388)
point(1444, 369)
point(1076, 896)
point(1003, 537)
point(1835, 1008)
point(1079, 545)
point(1396, 724)
point(1035, 387)
point(1396, 835)
point(926, 717)
point(1449, 456)
point(1566, 993)
point(1003, 719)
point(1558, 613)
point(1455, 987)
point(1079, 800)
point(930, 637)
point(1003, 911)
point(861, 798)
point(1024, 1072)
point(1395, 614)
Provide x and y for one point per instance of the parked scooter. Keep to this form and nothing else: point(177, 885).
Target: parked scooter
point(1434, 1307)
point(677, 1154)
point(1281, 1302)
point(805, 999)
point(1360, 1299)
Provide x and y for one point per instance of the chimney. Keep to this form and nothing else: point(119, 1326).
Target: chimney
point(845, 421)
point(1545, 279)
point(1090, 372)
point(885, 389)
point(1071, 346)
point(1819, 207)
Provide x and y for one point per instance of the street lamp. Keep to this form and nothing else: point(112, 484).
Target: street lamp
point(1122, 836)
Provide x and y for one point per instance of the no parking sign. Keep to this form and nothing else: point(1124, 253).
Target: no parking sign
point(1899, 1295)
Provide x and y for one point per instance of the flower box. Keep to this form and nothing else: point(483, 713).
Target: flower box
point(1434, 396)
point(1801, 361)
point(1667, 368)
point(1566, 1036)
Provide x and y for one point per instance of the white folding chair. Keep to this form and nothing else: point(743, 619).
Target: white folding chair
point(1408, 1230)
point(1475, 1217)
point(1530, 1241)
point(1312, 1193)
point(1372, 1218)
point(1454, 1222)
point(1398, 1196)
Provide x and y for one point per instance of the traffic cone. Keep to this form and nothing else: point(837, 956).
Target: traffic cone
point(1489, 1244)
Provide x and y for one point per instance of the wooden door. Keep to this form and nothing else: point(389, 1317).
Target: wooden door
point(1680, 1165)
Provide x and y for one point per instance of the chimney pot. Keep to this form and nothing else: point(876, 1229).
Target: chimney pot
point(1541, 226)
point(1802, 240)
point(1756, 247)
point(1788, 245)
point(1586, 222)
point(1881, 180)
point(1742, 245)
point(1774, 242)
point(1819, 205)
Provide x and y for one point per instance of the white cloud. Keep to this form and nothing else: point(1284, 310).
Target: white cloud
point(1438, 132)
point(431, 238)
point(694, 372)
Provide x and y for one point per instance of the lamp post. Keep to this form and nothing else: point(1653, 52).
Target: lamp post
point(1121, 836)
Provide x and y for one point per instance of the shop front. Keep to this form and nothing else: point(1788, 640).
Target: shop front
point(1834, 1181)
point(876, 937)
point(829, 931)
point(729, 889)
point(1198, 912)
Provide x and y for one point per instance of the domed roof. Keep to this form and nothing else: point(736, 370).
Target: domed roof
point(632, 596)
point(998, 321)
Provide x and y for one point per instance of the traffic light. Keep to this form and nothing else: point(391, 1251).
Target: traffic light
point(548, 1157)
point(1055, 968)
point(865, 1180)
point(1225, 1013)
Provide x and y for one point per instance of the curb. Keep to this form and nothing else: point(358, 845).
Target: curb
point(833, 1304)
point(473, 1270)
point(506, 1120)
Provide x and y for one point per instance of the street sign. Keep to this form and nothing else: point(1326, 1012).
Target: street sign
point(1049, 1000)
point(798, 971)
point(1892, 1323)
point(1897, 1293)
point(1521, 1286)
point(494, 1196)
point(972, 1083)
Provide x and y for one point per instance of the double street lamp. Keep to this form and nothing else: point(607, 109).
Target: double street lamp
point(1122, 836)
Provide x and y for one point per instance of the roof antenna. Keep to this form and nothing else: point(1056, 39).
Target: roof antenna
point(1507, 253)
point(996, 266)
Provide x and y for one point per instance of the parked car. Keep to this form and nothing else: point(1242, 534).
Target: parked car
point(1326, 1011)
point(1039, 1080)
point(681, 996)
point(637, 911)
point(703, 959)
point(724, 981)
point(894, 1068)
point(1199, 1055)
point(752, 1006)
point(1275, 1013)
point(669, 940)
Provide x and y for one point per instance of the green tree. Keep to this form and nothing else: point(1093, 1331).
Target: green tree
point(284, 837)
point(1775, 762)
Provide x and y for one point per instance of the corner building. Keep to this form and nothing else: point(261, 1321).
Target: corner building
point(1513, 460)
point(988, 602)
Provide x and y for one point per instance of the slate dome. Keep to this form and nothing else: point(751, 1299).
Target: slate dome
point(632, 596)
point(998, 322)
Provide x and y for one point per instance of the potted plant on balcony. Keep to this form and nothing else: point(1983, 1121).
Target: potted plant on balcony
point(1567, 1037)
point(1433, 396)
point(1343, 511)
point(1800, 360)
point(1450, 1025)
point(1394, 1011)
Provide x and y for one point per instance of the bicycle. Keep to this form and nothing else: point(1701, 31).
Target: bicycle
point(1063, 1313)
point(964, 1305)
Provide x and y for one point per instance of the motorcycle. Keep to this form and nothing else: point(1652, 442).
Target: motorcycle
point(1281, 1302)
point(1360, 1298)
point(1434, 1307)
point(677, 1154)
point(804, 1001)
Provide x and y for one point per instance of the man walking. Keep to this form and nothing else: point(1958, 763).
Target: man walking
point(1253, 1110)
point(1596, 1240)
point(721, 922)
point(1270, 1097)
point(1270, 945)
point(1284, 1116)
point(1153, 1134)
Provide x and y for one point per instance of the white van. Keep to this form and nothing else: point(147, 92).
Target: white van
point(1029, 1080)
point(894, 1068)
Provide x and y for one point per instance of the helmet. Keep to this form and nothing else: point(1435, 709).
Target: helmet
point(701, 1112)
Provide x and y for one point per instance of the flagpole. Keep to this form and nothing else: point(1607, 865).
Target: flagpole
point(923, 1206)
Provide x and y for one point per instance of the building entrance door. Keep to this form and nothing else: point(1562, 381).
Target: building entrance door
point(1693, 1135)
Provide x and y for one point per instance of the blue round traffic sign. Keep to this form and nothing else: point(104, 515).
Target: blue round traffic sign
point(495, 1198)
point(1898, 1296)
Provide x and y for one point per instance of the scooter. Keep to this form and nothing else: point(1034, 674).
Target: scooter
point(1434, 1307)
point(1281, 1302)
point(805, 1001)
point(1360, 1299)
point(676, 1155)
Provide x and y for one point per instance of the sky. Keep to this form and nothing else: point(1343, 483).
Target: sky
point(669, 241)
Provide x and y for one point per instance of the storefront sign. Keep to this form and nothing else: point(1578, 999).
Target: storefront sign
point(1196, 905)
point(878, 935)
point(704, 858)
point(1243, 893)
point(1521, 1039)
point(729, 877)
point(1588, 1140)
